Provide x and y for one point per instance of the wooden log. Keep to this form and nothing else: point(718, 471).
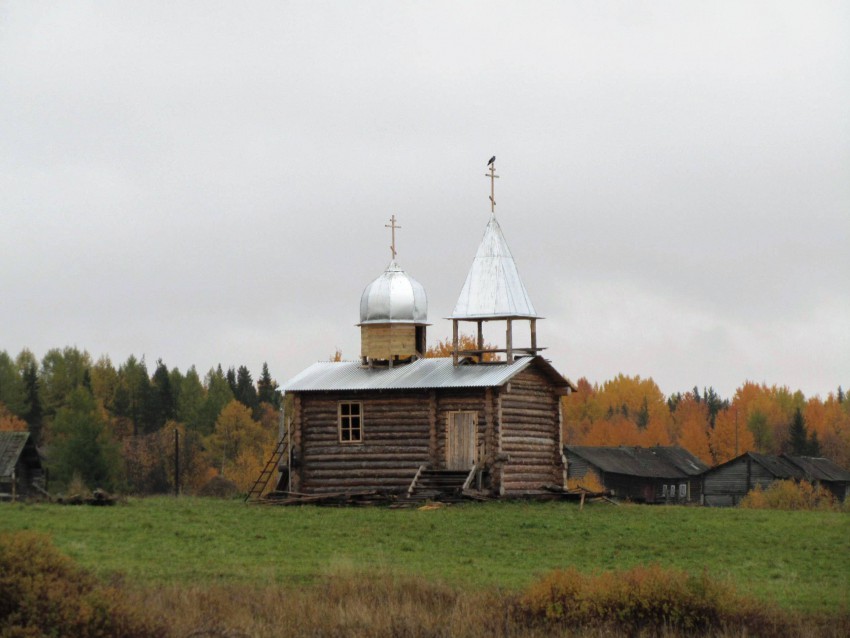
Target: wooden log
point(371, 438)
point(337, 483)
point(339, 460)
point(366, 453)
point(508, 439)
point(370, 474)
point(531, 429)
point(518, 414)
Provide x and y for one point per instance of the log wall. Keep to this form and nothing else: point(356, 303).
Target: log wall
point(396, 440)
point(529, 434)
point(727, 484)
point(385, 341)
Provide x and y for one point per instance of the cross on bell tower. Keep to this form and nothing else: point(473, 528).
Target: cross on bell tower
point(493, 177)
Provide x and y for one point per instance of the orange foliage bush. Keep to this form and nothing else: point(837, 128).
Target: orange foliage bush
point(645, 600)
point(445, 347)
point(590, 481)
point(9, 422)
point(790, 495)
point(43, 593)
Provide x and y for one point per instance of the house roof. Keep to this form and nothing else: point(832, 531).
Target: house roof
point(493, 288)
point(778, 466)
point(421, 374)
point(819, 468)
point(650, 462)
point(11, 446)
point(786, 466)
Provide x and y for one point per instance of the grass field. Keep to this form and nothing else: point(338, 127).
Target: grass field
point(800, 560)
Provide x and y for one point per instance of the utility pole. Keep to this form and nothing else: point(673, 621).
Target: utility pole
point(176, 462)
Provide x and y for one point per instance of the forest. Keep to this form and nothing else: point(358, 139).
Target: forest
point(113, 427)
point(758, 418)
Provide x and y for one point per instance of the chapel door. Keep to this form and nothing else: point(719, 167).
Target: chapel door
point(460, 440)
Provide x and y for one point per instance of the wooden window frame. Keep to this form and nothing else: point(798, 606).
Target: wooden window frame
point(345, 422)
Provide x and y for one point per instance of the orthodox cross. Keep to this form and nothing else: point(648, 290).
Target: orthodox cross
point(493, 177)
point(393, 227)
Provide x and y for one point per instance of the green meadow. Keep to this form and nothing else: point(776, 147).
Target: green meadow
point(800, 560)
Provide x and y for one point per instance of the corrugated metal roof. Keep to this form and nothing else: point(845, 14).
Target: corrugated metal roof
point(819, 468)
point(493, 288)
point(778, 466)
point(682, 459)
point(11, 446)
point(420, 374)
point(654, 462)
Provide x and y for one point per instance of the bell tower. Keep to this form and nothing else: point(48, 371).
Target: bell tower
point(493, 291)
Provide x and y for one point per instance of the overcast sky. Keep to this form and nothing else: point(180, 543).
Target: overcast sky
point(208, 182)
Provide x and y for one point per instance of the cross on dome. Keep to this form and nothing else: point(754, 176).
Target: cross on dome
point(393, 226)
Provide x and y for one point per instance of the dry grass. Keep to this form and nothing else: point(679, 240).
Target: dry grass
point(44, 593)
point(344, 604)
point(348, 603)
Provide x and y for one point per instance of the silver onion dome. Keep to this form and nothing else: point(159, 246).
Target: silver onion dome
point(394, 297)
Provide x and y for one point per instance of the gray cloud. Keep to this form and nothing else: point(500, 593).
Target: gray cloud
point(208, 183)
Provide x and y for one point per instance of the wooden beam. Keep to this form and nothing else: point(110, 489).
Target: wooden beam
point(533, 333)
point(454, 342)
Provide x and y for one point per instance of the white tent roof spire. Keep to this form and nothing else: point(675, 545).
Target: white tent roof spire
point(493, 288)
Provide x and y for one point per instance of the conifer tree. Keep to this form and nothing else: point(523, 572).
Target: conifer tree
point(33, 414)
point(267, 388)
point(245, 392)
point(162, 399)
point(798, 440)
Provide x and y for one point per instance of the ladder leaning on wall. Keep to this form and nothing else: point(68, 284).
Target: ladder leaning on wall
point(280, 452)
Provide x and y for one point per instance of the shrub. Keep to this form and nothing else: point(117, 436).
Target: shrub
point(645, 599)
point(219, 487)
point(590, 481)
point(790, 495)
point(44, 593)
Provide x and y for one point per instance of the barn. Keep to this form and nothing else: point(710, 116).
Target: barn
point(485, 418)
point(658, 474)
point(728, 483)
point(21, 471)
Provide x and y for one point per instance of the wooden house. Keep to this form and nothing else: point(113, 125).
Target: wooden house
point(645, 475)
point(728, 483)
point(21, 471)
point(395, 420)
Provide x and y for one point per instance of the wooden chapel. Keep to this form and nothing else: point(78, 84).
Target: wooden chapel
point(395, 420)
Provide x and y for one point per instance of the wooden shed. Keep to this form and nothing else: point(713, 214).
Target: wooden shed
point(646, 475)
point(728, 483)
point(486, 417)
point(21, 471)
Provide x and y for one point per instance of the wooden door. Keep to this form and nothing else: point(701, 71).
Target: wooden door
point(460, 440)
